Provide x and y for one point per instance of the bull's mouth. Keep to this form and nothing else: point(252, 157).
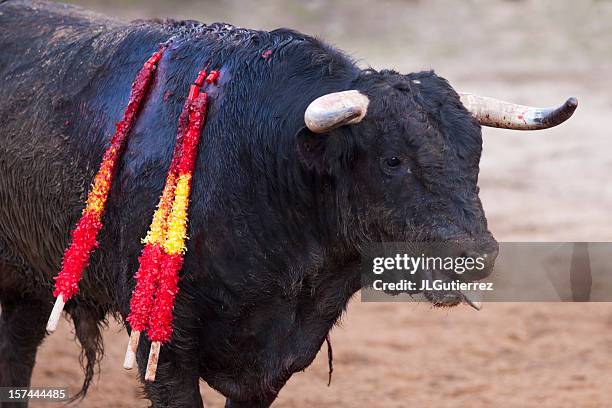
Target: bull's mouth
point(443, 298)
point(449, 298)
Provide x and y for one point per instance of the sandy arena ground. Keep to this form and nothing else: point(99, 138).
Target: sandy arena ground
point(552, 185)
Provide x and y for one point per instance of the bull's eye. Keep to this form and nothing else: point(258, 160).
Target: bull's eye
point(393, 165)
point(393, 161)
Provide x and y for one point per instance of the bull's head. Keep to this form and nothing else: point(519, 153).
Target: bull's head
point(415, 146)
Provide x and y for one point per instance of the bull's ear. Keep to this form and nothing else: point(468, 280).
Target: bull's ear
point(311, 148)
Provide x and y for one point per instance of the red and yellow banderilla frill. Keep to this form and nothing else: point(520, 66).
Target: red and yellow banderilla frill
point(84, 236)
point(150, 259)
point(152, 302)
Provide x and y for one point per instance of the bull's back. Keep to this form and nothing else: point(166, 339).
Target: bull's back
point(65, 77)
point(44, 68)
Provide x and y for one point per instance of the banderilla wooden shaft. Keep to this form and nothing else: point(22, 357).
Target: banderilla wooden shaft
point(130, 353)
point(152, 363)
point(56, 313)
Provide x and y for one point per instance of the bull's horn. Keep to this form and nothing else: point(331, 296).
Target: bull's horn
point(336, 109)
point(495, 113)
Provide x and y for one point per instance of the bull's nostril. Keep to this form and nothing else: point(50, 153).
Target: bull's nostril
point(477, 255)
point(492, 255)
point(488, 257)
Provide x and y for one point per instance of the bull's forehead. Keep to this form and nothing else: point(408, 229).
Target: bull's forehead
point(421, 113)
point(424, 107)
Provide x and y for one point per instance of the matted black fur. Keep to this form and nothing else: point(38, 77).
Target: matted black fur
point(278, 216)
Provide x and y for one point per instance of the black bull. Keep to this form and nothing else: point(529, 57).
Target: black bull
point(279, 214)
